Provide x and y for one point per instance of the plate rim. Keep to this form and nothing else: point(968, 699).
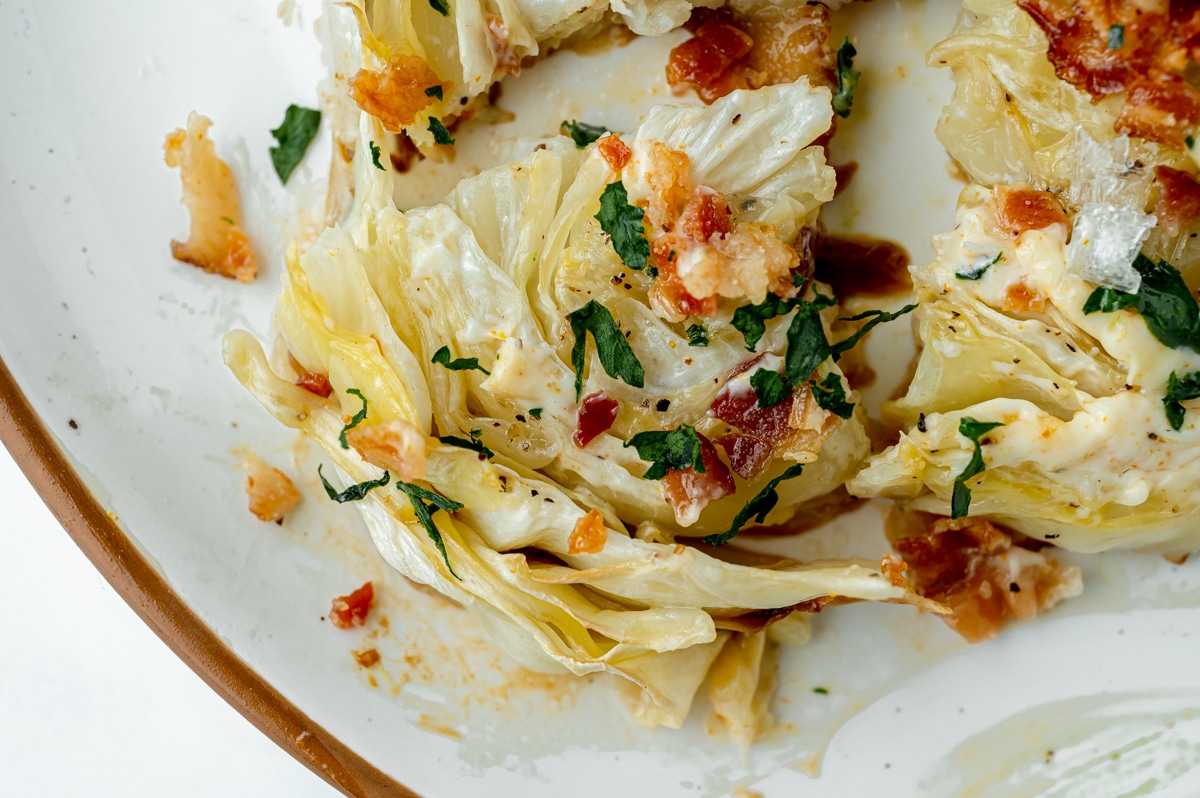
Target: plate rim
point(140, 585)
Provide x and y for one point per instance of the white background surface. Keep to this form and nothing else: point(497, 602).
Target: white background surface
point(92, 703)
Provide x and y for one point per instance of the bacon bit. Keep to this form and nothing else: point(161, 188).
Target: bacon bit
point(980, 570)
point(272, 495)
point(350, 611)
point(689, 492)
point(614, 152)
point(395, 446)
point(396, 94)
point(1023, 299)
point(216, 241)
point(706, 215)
point(893, 568)
point(748, 456)
point(1178, 204)
point(315, 383)
point(589, 534)
point(366, 659)
point(703, 62)
point(1160, 39)
point(1020, 207)
point(668, 173)
point(500, 43)
point(861, 265)
point(596, 415)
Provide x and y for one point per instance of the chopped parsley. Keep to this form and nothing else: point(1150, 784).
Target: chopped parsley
point(843, 98)
point(750, 320)
point(697, 335)
point(375, 151)
point(582, 133)
point(356, 419)
point(227, 220)
point(672, 450)
point(757, 508)
point(1170, 310)
point(536, 412)
point(417, 497)
point(877, 317)
point(831, 396)
point(473, 443)
point(1180, 389)
point(297, 131)
point(440, 134)
point(807, 346)
point(770, 387)
point(1116, 36)
point(978, 267)
point(623, 223)
point(1190, 141)
point(354, 493)
point(434, 91)
point(821, 691)
point(960, 501)
point(442, 358)
point(616, 356)
point(440, 6)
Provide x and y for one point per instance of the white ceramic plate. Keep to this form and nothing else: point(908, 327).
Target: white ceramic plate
point(115, 347)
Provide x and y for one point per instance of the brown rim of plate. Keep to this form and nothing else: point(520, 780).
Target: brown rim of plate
point(151, 597)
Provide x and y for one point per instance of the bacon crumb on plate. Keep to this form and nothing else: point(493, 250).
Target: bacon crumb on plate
point(216, 242)
point(589, 534)
point(351, 610)
point(271, 494)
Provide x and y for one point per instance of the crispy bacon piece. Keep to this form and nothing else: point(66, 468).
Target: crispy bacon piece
point(689, 492)
point(315, 383)
point(706, 215)
point(499, 42)
point(596, 415)
point(614, 152)
point(589, 534)
point(395, 446)
point(984, 573)
point(1159, 39)
point(703, 62)
point(893, 568)
point(1020, 298)
point(272, 495)
point(1178, 204)
point(748, 456)
point(669, 297)
point(668, 173)
point(216, 241)
point(1020, 207)
point(350, 611)
point(395, 94)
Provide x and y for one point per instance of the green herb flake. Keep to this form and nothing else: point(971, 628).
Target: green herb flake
point(440, 134)
point(375, 151)
point(623, 223)
point(807, 346)
point(440, 6)
point(831, 396)
point(536, 412)
point(227, 220)
point(770, 387)
point(697, 335)
point(877, 317)
point(1180, 389)
point(820, 691)
point(1116, 36)
point(582, 133)
point(354, 493)
point(1164, 301)
point(673, 450)
point(434, 91)
point(978, 268)
point(356, 419)
point(960, 502)
point(442, 358)
point(417, 497)
point(616, 356)
point(473, 443)
point(757, 508)
point(297, 131)
point(750, 320)
point(847, 79)
point(1190, 141)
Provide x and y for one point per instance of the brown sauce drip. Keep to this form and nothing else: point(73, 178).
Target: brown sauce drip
point(861, 265)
